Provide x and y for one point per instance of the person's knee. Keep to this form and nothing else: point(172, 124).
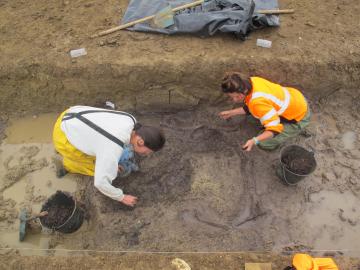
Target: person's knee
point(268, 146)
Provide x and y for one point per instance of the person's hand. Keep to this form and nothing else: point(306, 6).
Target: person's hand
point(226, 114)
point(129, 200)
point(249, 145)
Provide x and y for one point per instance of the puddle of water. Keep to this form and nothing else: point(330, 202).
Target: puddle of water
point(32, 244)
point(349, 139)
point(334, 220)
point(44, 180)
point(31, 129)
point(46, 183)
point(33, 188)
point(36, 207)
point(325, 120)
point(16, 192)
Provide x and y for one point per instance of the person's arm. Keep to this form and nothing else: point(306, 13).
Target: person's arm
point(269, 119)
point(230, 113)
point(106, 169)
point(256, 140)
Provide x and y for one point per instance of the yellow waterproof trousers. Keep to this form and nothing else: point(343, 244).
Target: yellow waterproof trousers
point(74, 160)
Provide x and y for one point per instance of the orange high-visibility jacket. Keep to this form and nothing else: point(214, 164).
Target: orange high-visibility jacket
point(305, 262)
point(268, 101)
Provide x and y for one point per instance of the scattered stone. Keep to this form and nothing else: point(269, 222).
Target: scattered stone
point(281, 35)
point(112, 42)
point(310, 24)
point(353, 180)
point(341, 215)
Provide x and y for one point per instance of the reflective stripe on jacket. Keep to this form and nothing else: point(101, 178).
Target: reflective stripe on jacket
point(268, 101)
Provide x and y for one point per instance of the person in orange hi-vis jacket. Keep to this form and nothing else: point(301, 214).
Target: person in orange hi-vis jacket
point(282, 111)
point(306, 262)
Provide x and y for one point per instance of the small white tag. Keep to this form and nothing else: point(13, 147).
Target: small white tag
point(78, 52)
point(263, 43)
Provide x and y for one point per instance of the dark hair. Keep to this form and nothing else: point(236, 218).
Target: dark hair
point(153, 137)
point(289, 268)
point(232, 83)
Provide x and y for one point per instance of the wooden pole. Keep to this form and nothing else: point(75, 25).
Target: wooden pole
point(276, 11)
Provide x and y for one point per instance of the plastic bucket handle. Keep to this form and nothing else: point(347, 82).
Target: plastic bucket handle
point(283, 167)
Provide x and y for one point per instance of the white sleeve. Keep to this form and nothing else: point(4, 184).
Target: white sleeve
point(106, 169)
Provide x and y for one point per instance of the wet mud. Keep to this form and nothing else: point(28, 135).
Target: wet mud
point(27, 180)
point(202, 192)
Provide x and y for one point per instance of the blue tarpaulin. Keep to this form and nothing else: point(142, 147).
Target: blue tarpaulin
point(228, 16)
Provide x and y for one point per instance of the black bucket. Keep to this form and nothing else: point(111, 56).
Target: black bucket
point(295, 163)
point(64, 215)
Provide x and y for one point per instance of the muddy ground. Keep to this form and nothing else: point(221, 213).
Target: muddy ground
point(202, 192)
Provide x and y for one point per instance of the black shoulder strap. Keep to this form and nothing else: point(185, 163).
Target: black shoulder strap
point(96, 127)
point(72, 115)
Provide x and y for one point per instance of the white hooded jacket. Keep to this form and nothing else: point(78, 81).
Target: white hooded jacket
point(91, 142)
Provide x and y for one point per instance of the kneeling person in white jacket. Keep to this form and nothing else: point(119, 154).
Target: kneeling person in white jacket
point(91, 141)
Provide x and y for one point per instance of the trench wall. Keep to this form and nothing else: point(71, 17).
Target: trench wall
point(162, 86)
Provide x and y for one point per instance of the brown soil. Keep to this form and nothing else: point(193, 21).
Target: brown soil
point(297, 164)
point(202, 192)
point(58, 214)
point(59, 208)
point(316, 49)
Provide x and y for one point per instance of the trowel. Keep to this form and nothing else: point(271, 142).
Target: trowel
point(24, 222)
